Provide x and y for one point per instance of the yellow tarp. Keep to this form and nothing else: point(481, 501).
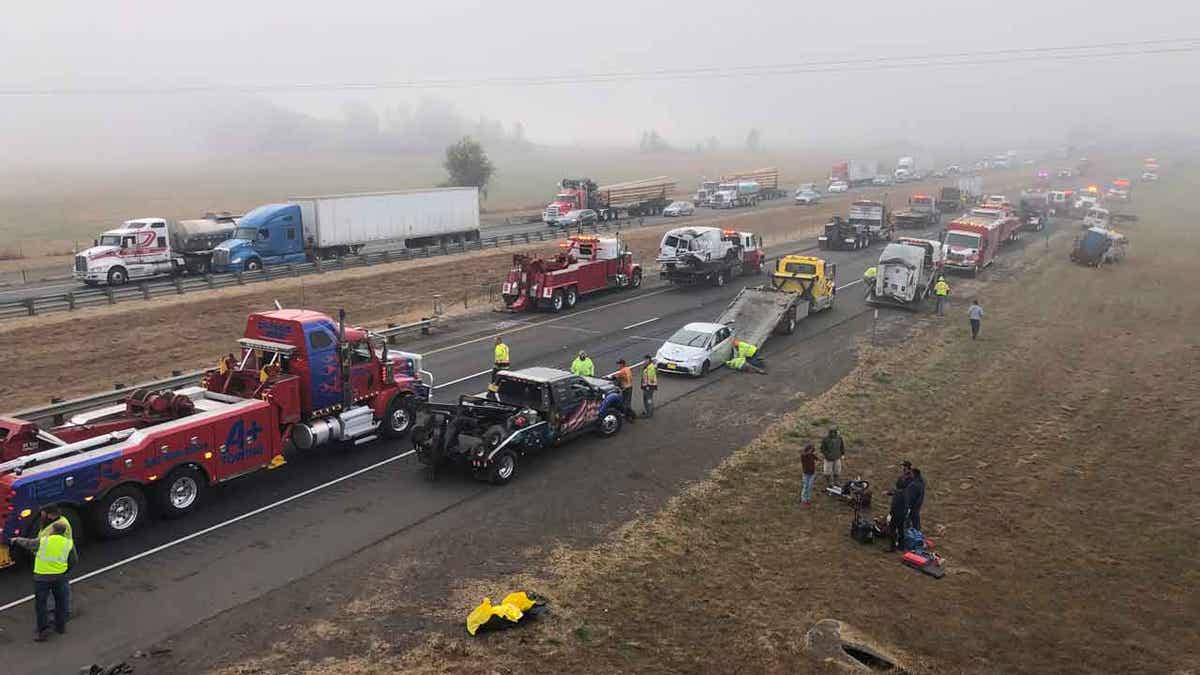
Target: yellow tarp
point(513, 607)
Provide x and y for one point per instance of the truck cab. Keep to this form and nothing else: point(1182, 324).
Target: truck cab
point(270, 234)
point(139, 249)
point(574, 194)
point(815, 279)
point(523, 412)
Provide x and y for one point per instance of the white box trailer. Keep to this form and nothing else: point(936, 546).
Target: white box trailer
point(862, 171)
point(416, 217)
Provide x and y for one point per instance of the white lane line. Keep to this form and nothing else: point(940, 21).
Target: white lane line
point(589, 331)
point(859, 281)
point(548, 321)
point(640, 323)
point(643, 337)
point(463, 379)
point(227, 523)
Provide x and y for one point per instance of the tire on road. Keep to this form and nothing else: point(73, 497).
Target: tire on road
point(610, 423)
point(399, 418)
point(636, 281)
point(253, 265)
point(572, 297)
point(503, 467)
point(120, 512)
point(557, 301)
point(182, 491)
point(117, 276)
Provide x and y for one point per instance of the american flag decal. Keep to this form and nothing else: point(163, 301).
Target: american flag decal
point(581, 416)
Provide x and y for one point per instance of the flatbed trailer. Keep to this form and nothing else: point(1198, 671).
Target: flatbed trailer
point(800, 286)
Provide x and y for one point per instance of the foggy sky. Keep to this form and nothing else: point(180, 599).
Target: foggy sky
point(109, 44)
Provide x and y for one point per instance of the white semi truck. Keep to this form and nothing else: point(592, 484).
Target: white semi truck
point(144, 248)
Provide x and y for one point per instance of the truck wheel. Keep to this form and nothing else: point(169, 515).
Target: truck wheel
point(180, 493)
point(120, 512)
point(253, 265)
point(704, 368)
point(494, 435)
point(720, 280)
point(117, 276)
point(557, 301)
point(572, 297)
point(637, 279)
point(610, 423)
point(788, 325)
point(503, 467)
point(398, 420)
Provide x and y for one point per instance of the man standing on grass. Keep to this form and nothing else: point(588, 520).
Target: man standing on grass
point(975, 314)
point(941, 289)
point(833, 449)
point(808, 462)
point(914, 494)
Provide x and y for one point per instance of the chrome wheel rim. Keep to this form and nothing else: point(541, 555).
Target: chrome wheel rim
point(506, 467)
point(609, 424)
point(123, 513)
point(183, 492)
point(400, 419)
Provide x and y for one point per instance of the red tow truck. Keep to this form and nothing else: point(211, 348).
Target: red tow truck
point(586, 264)
point(301, 380)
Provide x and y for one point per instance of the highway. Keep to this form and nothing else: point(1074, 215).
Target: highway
point(256, 535)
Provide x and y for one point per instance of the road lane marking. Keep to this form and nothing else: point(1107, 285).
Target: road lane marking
point(859, 281)
point(463, 379)
point(218, 526)
point(640, 323)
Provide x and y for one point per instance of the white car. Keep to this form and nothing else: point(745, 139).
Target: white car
point(679, 209)
point(838, 186)
point(1149, 176)
point(882, 180)
point(696, 349)
point(807, 197)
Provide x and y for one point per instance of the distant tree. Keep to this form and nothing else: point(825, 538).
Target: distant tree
point(468, 165)
point(753, 140)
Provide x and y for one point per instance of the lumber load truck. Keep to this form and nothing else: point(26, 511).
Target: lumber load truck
point(733, 195)
point(321, 228)
point(524, 412)
point(585, 265)
point(922, 211)
point(767, 179)
point(695, 255)
point(704, 193)
point(800, 285)
point(973, 240)
point(301, 380)
point(875, 217)
point(906, 272)
point(646, 197)
point(145, 248)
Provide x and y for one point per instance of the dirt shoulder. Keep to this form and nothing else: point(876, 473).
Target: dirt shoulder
point(77, 353)
point(1059, 453)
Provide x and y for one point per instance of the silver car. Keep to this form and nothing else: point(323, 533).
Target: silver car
point(696, 349)
point(808, 197)
point(679, 209)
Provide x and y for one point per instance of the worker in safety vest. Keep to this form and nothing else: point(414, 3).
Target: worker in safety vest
point(749, 352)
point(583, 366)
point(53, 553)
point(500, 361)
point(50, 515)
point(869, 278)
point(741, 364)
point(940, 290)
point(649, 386)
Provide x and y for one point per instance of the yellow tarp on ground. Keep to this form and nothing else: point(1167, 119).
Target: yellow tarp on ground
point(513, 607)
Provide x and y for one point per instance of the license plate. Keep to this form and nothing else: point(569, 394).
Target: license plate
point(671, 366)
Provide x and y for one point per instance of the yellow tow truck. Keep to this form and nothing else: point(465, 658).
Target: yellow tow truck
point(800, 285)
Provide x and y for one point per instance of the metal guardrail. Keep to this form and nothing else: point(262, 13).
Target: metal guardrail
point(58, 411)
point(146, 290)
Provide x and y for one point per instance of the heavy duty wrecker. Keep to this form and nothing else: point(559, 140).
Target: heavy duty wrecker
point(301, 381)
point(586, 264)
point(800, 285)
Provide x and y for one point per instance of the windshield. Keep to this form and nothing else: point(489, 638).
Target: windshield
point(799, 268)
point(250, 233)
point(678, 205)
point(960, 240)
point(675, 242)
point(110, 240)
point(922, 201)
point(689, 338)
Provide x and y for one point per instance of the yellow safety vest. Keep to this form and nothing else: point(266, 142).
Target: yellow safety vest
point(583, 367)
point(747, 350)
point(737, 362)
point(941, 288)
point(870, 273)
point(45, 531)
point(52, 555)
point(502, 354)
point(650, 375)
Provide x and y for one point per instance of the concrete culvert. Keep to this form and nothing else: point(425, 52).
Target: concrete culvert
point(840, 644)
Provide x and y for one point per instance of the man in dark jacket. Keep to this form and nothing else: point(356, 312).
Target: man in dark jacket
point(898, 512)
point(914, 494)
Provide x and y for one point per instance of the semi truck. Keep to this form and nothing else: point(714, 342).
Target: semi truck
point(704, 193)
point(321, 228)
point(800, 286)
point(950, 200)
point(695, 255)
point(586, 265)
point(971, 188)
point(1033, 210)
point(906, 272)
point(732, 195)
point(301, 381)
point(646, 197)
point(922, 211)
point(767, 179)
point(912, 168)
point(875, 217)
point(855, 172)
point(144, 248)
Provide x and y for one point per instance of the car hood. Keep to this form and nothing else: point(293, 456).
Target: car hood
point(681, 353)
point(98, 251)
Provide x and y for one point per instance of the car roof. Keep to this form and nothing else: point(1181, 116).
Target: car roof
point(538, 374)
point(703, 326)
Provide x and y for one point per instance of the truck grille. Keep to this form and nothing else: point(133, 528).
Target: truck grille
point(220, 257)
point(81, 263)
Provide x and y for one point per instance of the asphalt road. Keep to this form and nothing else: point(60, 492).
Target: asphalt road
point(165, 592)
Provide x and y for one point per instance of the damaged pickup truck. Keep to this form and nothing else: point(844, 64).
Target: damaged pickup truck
point(523, 412)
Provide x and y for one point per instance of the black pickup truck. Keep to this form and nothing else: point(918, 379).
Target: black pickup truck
point(523, 412)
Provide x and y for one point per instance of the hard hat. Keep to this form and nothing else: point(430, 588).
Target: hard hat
point(582, 354)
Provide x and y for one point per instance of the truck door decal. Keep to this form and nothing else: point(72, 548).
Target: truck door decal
point(325, 368)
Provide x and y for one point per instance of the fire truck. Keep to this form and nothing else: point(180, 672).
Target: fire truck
point(586, 264)
point(300, 381)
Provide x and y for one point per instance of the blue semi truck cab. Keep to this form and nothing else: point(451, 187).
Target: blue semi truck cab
point(272, 234)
